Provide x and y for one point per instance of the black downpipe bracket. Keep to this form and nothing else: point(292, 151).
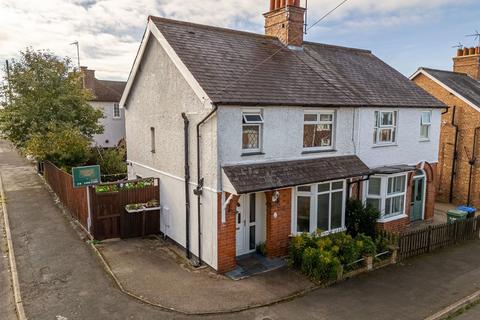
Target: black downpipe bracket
point(472, 163)
point(455, 156)
point(187, 183)
point(199, 190)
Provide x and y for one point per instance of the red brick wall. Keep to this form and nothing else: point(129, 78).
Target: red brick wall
point(395, 226)
point(467, 119)
point(226, 235)
point(279, 222)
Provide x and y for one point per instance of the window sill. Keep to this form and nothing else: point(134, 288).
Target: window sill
point(250, 154)
point(424, 140)
point(318, 151)
point(394, 218)
point(386, 145)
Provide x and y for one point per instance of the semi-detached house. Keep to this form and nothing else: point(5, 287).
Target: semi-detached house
point(259, 137)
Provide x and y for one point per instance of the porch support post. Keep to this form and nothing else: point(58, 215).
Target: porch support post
point(279, 222)
point(226, 234)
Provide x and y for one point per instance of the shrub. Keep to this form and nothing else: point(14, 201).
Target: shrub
point(111, 161)
point(321, 258)
point(365, 245)
point(361, 218)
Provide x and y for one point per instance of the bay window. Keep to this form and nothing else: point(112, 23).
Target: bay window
point(385, 130)
point(318, 130)
point(387, 195)
point(320, 207)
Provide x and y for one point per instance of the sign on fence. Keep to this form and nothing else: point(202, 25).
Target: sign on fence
point(86, 176)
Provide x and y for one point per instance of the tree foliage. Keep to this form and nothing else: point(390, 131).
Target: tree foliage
point(111, 161)
point(66, 147)
point(45, 95)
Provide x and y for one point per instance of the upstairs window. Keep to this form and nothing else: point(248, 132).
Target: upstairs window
point(252, 124)
point(116, 111)
point(425, 124)
point(385, 131)
point(318, 128)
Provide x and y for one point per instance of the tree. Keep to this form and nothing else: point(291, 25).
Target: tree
point(66, 147)
point(45, 94)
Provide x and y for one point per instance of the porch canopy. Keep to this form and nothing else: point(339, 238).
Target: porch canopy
point(248, 178)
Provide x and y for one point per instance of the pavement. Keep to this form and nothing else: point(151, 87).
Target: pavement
point(156, 270)
point(61, 277)
point(7, 303)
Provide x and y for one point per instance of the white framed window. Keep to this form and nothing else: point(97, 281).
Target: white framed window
point(385, 130)
point(319, 207)
point(252, 131)
point(318, 130)
point(387, 195)
point(116, 111)
point(425, 125)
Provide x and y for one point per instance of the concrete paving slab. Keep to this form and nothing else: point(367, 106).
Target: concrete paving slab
point(152, 269)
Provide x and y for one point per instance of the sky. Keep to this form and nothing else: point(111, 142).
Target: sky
point(406, 34)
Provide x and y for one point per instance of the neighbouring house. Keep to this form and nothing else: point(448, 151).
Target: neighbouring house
point(106, 97)
point(458, 169)
point(259, 137)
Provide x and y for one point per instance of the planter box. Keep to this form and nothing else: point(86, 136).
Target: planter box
point(140, 223)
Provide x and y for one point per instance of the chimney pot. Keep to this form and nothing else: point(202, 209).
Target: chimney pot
point(471, 51)
point(282, 3)
point(459, 52)
point(272, 5)
point(465, 51)
point(477, 50)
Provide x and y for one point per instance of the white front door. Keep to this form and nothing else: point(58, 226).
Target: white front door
point(246, 218)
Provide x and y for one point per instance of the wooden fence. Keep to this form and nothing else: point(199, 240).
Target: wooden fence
point(107, 208)
point(74, 199)
point(417, 242)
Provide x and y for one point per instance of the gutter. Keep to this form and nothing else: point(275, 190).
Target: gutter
point(200, 180)
point(187, 183)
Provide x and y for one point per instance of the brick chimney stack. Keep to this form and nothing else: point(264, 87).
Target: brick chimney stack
point(468, 61)
point(88, 78)
point(285, 20)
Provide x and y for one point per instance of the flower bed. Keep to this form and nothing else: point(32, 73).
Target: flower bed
point(328, 258)
point(140, 207)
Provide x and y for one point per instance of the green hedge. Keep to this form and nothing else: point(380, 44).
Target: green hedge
point(322, 258)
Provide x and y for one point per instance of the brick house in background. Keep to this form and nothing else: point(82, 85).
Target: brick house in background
point(259, 137)
point(106, 97)
point(459, 170)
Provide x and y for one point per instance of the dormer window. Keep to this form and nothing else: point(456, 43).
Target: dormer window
point(252, 124)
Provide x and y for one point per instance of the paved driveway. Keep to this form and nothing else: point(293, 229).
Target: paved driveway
point(60, 276)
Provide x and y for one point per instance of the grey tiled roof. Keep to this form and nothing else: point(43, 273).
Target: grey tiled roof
point(108, 91)
point(228, 66)
point(256, 177)
point(461, 83)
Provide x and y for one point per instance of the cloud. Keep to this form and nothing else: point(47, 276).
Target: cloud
point(109, 31)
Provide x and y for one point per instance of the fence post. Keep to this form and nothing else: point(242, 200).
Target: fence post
point(429, 239)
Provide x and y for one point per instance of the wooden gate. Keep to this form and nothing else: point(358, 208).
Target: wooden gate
point(107, 207)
